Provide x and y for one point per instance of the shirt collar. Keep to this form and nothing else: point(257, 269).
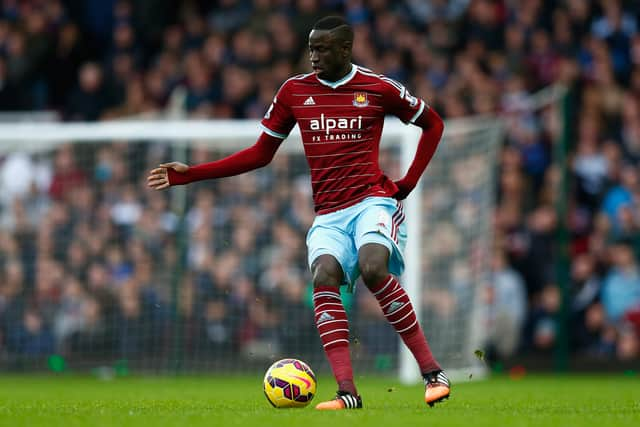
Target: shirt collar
point(340, 82)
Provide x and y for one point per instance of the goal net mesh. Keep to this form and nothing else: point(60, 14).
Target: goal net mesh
point(99, 272)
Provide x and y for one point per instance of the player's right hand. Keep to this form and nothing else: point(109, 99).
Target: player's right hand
point(158, 178)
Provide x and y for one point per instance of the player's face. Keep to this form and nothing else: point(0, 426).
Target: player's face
point(329, 56)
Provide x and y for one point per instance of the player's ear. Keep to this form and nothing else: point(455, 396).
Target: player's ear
point(346, 48)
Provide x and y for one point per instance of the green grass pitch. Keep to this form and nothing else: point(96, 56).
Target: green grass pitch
point(564, 401)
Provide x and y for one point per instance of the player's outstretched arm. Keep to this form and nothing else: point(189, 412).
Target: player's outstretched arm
point(432, 129)
point(175, 173)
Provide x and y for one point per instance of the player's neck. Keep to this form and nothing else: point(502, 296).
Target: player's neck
point(344, 71)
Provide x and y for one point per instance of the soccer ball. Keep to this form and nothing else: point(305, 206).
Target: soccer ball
point(289, 383)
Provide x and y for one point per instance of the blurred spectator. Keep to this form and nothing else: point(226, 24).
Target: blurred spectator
point(590, 164)
point(586, 321)
point(66, 174)
point(229, 15)
point(628, 345)
point(218, 328)
point(620, 198)
point(506, 303)
point(31, 337)
point(10, 96)
point(132, 334)
point(16, 176)
point(70, 52)
point(87, 101)
point(12, 302)
point(543, 326)
point(93, 338)
point(621, 286)
point(69, 318)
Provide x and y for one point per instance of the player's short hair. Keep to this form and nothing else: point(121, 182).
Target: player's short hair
point(337, 25)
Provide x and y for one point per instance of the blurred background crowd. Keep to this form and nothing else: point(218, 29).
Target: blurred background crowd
point(88, 254)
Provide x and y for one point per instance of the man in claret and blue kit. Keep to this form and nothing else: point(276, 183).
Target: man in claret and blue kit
point(359, 229)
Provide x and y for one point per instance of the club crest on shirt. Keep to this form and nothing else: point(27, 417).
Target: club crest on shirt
point(360, 99)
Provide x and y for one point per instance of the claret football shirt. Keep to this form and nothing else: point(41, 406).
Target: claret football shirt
point(341, 123)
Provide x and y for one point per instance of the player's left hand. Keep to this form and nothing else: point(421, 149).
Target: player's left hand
point(400, 195)
point(403, 190)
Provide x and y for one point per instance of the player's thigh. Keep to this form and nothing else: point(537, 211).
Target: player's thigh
point(382, 223)
point(328, 240)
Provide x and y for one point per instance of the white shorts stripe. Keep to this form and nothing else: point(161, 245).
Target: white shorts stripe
point(398, 211)
point(395, 222)
point(393, 230)
point(398, 223)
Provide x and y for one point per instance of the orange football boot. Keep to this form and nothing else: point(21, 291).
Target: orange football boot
point(436, 387)
point(343, 400)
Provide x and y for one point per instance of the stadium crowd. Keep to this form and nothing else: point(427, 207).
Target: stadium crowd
point(88, 255)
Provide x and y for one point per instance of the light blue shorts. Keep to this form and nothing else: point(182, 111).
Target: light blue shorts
point(342, 233)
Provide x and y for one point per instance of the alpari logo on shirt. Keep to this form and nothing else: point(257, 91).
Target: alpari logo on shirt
point(327, 124)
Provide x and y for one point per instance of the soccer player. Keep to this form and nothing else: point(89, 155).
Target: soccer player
point(359, 230)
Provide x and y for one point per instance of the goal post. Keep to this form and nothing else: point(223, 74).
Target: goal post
point(448, 219)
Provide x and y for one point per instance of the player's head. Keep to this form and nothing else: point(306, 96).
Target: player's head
point(330, 43)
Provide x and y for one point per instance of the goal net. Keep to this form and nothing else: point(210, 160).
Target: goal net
point(99, 272)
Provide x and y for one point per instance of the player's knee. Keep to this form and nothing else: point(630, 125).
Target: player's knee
point(373, 270)
point(373, 262)
point(326, 271)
